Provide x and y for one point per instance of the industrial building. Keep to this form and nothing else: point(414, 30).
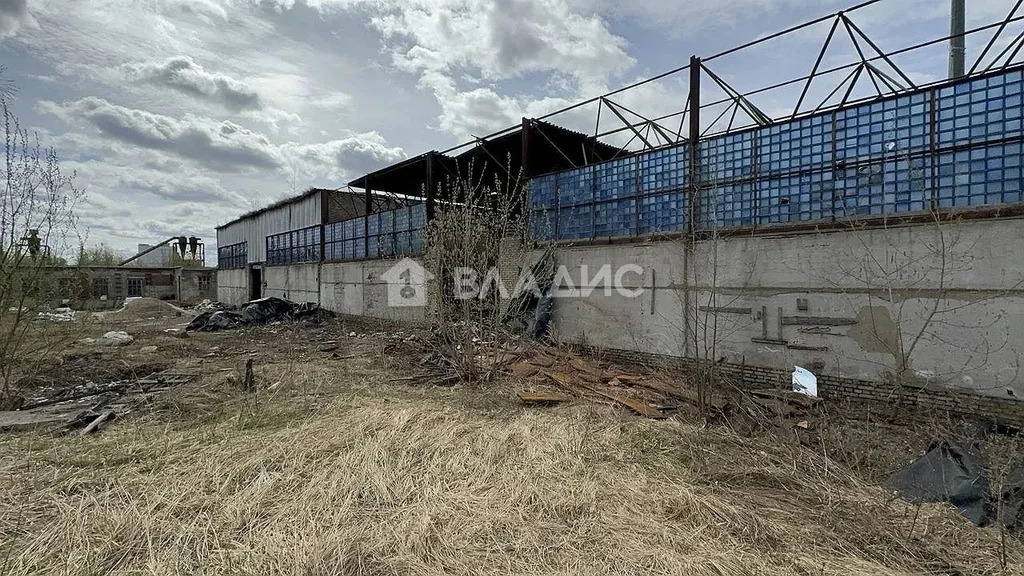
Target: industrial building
point(108, 287)
point(863, 237)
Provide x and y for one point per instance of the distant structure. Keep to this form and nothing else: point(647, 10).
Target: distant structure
point(159, 257)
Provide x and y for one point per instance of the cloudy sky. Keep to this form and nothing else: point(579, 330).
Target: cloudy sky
point(177, 115)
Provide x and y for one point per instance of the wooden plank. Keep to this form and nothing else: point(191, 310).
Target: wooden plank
point(543, 397)
point(98, 422)
point(639, 406)
point(524, 370)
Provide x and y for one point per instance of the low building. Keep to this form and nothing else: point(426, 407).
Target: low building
point(107, 287)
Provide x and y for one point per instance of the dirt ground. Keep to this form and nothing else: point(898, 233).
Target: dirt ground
point(342, 462)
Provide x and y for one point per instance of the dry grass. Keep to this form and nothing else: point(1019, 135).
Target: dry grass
point(339, 472)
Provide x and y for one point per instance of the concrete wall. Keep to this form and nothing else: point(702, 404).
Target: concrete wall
point(196, 285)
point(359, 289)
point(295, 282)
point(836, 302)
point(352, 288)
point(233, 286)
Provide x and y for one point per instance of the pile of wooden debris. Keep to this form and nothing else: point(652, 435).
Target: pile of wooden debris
point(89, 406)
point(551, 375)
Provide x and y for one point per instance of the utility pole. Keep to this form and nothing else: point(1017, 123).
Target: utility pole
point(957, 50)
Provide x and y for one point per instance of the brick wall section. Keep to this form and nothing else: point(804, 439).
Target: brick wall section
point(1000, 410)
point(511, 257)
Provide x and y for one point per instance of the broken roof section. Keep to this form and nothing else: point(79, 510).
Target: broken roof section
point(537, 147)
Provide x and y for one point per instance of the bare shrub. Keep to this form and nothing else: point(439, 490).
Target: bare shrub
point(37, 224)
point(466, 237)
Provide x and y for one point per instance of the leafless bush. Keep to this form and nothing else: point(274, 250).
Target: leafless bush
point(37, 224)
point(475, 222)
point(911, 295)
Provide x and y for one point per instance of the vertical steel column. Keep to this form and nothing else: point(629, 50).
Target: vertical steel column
point(523, 206)
point(932, 158)
point(324, 217)
point(692, 145)
point(366, 219)
point(430, 186)
point(957, 49)
point(690, 319)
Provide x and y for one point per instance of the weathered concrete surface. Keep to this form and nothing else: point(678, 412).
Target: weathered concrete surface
point(196, 285)
point(360, 289)
point(233, 286)
point(295, 282)
point(946, 302)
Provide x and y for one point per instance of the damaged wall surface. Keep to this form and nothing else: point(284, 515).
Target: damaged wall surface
point(949, 298)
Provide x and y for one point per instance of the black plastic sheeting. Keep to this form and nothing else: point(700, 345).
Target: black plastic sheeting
point(956, 473)
point(257, 312)
point(529, 312)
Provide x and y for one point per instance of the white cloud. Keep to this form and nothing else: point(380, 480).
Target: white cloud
point(501, 39)
point(184, 74)
point(225, 146)
point(13, 13)
point(496, 41)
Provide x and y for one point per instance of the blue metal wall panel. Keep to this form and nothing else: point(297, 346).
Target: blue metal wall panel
point(616, 179)
point(664, 169)
point(727, 158)
point(616, 218)
point(665, 212)
point(954, 146)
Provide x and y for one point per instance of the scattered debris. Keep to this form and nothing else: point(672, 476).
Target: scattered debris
point(529, 312)
point(543, 397)
point(957, 473)
point(208, 305)
point(804, 381)
point(87, 341)
point(98, 422)
point(57, 315)
point(263, 311)
point(116, 338)
point(82, 406)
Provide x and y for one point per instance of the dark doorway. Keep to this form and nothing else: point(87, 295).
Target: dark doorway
point(255, 282)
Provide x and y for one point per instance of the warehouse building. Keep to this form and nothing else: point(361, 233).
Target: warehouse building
point(873, 238)
point(333, 246)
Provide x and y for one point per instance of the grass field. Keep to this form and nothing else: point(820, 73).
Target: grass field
point(341, 470)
